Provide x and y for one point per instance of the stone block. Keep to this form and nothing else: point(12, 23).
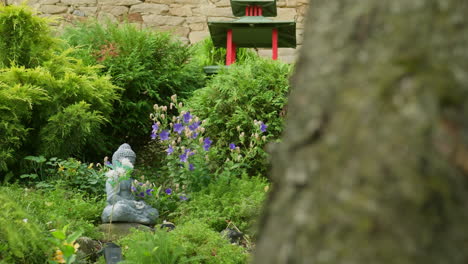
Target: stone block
point(135, 18)
point(198, 26)
point(118, 2)
point(223, 3)
point(163, 20)
point(79, 2)
point(286, 14)
point(104, 17)
point(175, 30)
point(115, 10)
point(146, 8)
point(53, 9)
point(196, 36)
point(183, 11)
point(48, 2)
point(197, 19)
point(212, 10)
point(88, 11)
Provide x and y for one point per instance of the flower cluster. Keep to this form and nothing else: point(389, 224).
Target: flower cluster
point(185, 147)
point(142, 190)
point(119, 171)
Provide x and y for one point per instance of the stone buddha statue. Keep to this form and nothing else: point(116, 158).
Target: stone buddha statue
point(121, 204)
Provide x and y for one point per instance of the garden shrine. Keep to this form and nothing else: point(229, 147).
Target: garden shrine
point(251, 30)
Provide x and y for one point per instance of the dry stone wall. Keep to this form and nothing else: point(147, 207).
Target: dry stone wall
point(184, 18)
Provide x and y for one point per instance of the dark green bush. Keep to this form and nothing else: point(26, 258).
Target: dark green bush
point(149, 66)
point(235, 200)
point(254, 90)
point(25, 38)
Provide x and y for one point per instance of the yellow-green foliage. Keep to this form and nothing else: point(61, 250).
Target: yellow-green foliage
point(21, 239)
point(25, 38)
point(56, 109)
point(15, 107)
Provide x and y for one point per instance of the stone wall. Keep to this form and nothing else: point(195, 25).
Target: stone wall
point(185, 18)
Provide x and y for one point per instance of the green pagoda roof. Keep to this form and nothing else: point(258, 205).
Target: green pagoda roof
point(268, 7)
point(253, 32)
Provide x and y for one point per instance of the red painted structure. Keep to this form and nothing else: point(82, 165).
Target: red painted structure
point(231, 46)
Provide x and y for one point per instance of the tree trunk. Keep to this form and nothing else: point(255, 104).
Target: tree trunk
point(373, 166)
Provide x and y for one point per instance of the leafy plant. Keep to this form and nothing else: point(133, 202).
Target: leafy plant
point(228, 199)
point(66, 246)
point(21, 238)
point(157, 248)
point(235, 98)
point(198, 239)
point(26, 39)
point(207, 54)
point(149, 66)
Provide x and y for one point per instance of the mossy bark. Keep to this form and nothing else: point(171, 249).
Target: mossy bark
point(374, 160)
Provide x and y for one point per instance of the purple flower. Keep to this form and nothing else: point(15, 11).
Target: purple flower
point(148, 192)
point(263, 127)
point(194, 126)
point(153, 135)
point(183, 198)
point(190, 153)
point(170, 150)
point(108, 164)
point(232, 146)
point(155, 127)
point(187, 116)
point(133, 189)
point(140, 183)
point(168, 191)
point(195, 135)
point(142, 194)
point(164, 135)
point(207, 144)
point(191, 167)
point(185, 155)
point(178, 128)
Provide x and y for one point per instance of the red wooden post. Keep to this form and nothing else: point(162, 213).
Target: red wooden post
point(260, 11)
point(233, 58)
point(274, 41)
point(229, 48)
point(247, 11)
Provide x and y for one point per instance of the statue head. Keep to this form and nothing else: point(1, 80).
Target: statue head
point(124, 151)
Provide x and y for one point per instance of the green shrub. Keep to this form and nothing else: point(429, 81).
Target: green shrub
point(226, 200)
point(207, 54)
point(192, 242)
point(50, 103)
point(149, 66)
point(25, 38)
point(54, 112)
point(56, 208)
point(198, 239)
point(22, 240)
point(235, 97)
